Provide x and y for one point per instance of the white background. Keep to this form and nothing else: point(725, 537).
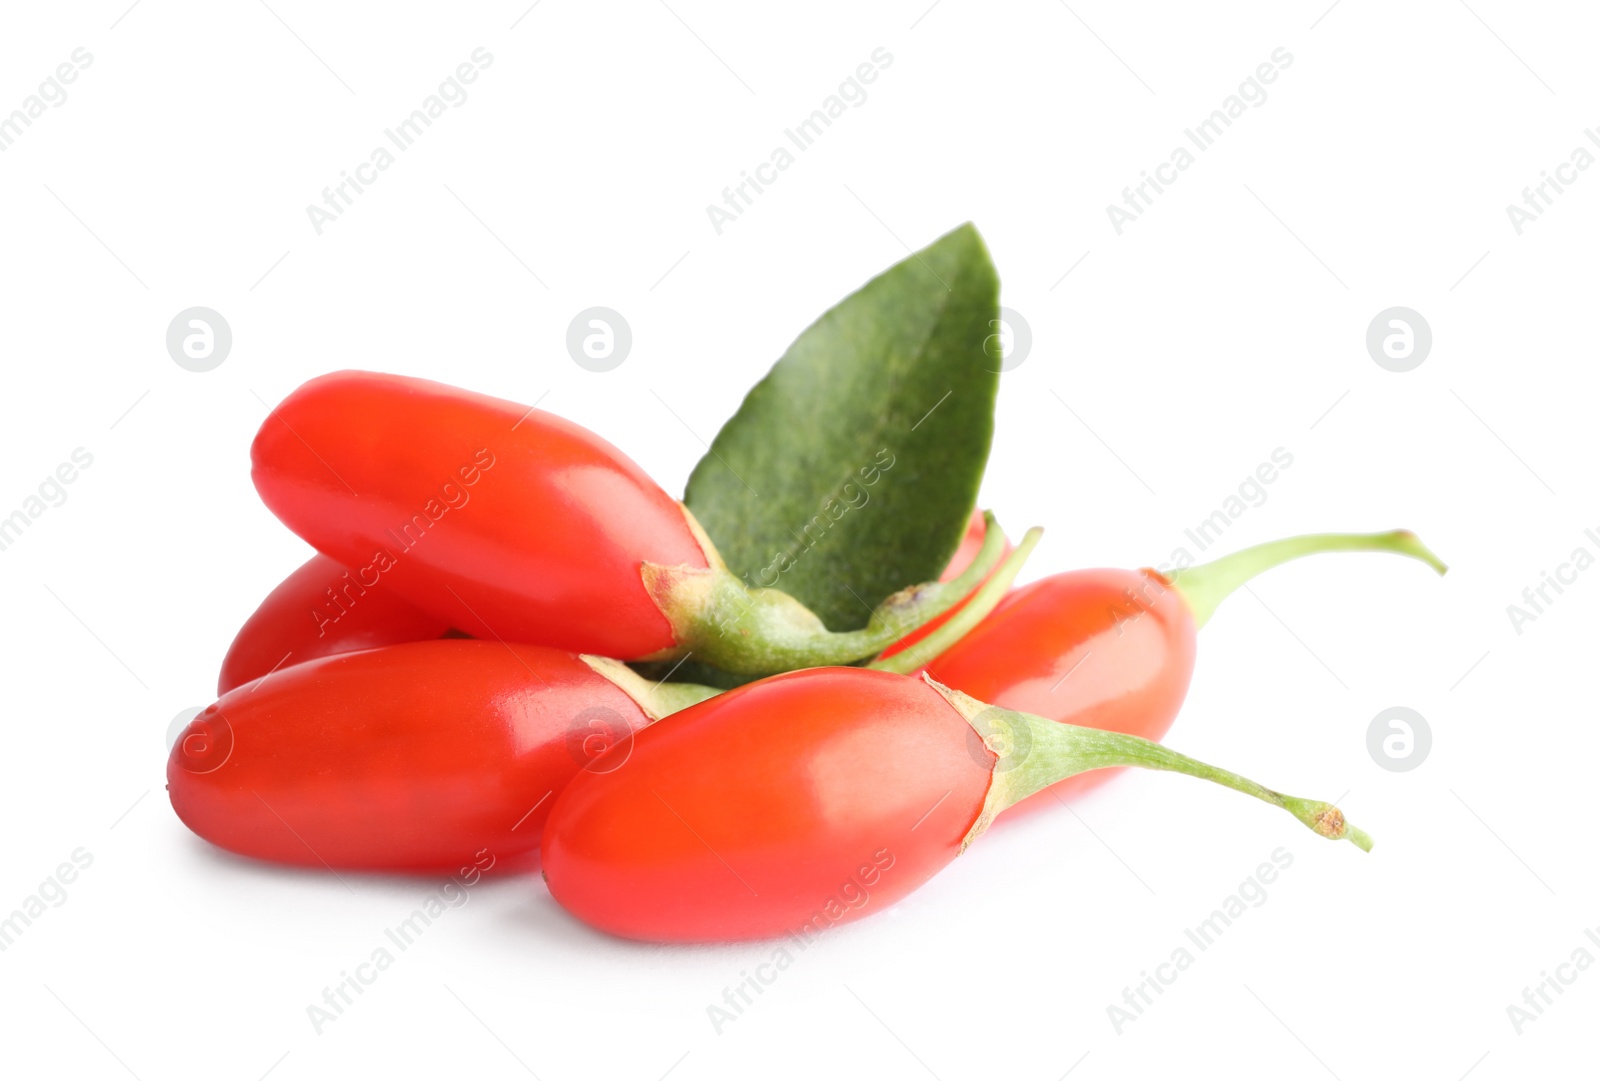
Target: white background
point(1228, 321)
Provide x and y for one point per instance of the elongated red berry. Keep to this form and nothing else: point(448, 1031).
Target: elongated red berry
point(1111, 649)
point(413, 757)
point(811, 798)
point(513, 524)
point(321, 609)
point(325, 608)
point(504, 521)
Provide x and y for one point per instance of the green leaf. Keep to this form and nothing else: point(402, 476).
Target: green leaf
point(850, 471)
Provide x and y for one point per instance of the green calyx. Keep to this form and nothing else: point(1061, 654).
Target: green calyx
point(655, 698)
point(1205, 587)
point(1032, 753)
point(725, 623)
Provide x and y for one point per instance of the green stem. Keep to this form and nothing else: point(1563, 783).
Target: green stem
point(656, 698)
point(969, 616)
point(727, 624)
point(1206, 586)
point(1032, 753)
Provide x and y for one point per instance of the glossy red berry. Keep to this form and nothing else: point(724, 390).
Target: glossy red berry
point(505, 522)
point(1109, 649)
point(321, 609)
point(783, 802)
point(413, 757)
point(811, 798)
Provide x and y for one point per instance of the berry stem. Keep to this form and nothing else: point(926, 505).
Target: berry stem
point(1032, 753)
point(656, 698)
point(983, 602)
point(1206, 586)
